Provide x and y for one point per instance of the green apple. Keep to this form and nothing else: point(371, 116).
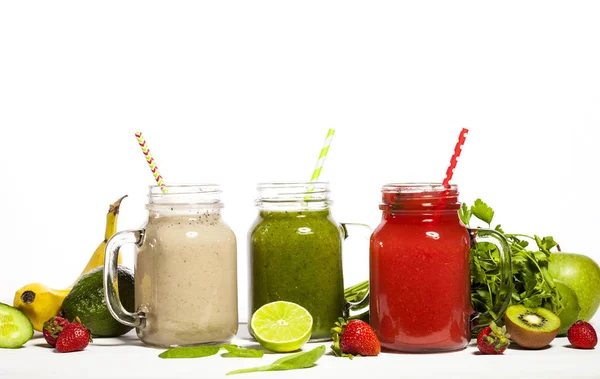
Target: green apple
point(582, 274)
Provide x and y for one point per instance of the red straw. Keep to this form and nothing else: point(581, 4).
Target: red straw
point(457, 150)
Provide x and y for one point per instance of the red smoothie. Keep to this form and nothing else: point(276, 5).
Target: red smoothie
point(419, 270)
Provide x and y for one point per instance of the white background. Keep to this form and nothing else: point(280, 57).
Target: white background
point(237, 93)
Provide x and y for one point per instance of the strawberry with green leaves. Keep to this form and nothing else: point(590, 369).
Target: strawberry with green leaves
point(52, 329)
point(74, 337)
point(493, 339)
point(354, 338)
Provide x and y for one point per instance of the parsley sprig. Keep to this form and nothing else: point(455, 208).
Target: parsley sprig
point(532, 284)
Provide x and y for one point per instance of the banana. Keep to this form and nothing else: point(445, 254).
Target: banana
point(97, 259)
point(40, 302)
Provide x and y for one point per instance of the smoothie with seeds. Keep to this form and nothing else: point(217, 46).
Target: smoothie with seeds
point(186, 270)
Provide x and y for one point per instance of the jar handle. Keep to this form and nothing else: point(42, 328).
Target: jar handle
point(110, 277)
point(359, 308)
point(505, 270)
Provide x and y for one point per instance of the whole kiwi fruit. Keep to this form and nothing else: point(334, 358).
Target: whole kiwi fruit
point(531, 328)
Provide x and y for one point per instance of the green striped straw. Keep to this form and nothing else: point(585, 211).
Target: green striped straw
point(322, 155)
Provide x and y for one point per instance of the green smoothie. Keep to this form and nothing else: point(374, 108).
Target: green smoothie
point(297, 257)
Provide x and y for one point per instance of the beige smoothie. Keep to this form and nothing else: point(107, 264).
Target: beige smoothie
point(186, 279)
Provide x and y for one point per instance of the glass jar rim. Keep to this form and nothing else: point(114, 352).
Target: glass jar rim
point(292, 184)
point(185, 194)
point(419, 197)
point(305, 194)
point(185, 188)
point(426, 188)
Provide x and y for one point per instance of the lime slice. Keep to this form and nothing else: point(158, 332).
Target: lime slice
point(281, 326)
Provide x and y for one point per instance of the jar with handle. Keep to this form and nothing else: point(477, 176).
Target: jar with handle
point(420, 270)
point(185, 270)
point(295, 248)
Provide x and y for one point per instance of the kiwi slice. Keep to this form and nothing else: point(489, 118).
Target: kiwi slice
point(531, 328)
point(570, 312)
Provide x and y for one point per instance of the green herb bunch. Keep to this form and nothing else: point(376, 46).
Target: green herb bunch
point(532, 284)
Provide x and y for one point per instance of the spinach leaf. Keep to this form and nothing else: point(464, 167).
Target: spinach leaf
point(190, 352)
point(234, 351)
point(296, 361)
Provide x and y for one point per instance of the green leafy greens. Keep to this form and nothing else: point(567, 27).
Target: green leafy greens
point(532, 284)
point(190, 352)
point(296, 361)
point(233, 351)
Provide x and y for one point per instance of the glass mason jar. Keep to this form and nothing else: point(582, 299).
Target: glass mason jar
point(185, 270)
point(296, 252)
point(420, 269)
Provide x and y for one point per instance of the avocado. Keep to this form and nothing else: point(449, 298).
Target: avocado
point(86, 301)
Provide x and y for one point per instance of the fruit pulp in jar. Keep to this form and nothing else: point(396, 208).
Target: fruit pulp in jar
point(420, 281)
point(296, 256)
point(186, 280)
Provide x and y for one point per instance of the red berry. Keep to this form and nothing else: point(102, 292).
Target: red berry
point(493, 339)
point(355, 337)
point(582, 335)
point(74, 337)
point(53, 328)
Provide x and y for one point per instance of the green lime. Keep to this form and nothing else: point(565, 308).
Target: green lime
point(281, 326)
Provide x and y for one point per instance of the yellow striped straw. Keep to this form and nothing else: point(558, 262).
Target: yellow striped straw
point(322, 155)
point(153, 167)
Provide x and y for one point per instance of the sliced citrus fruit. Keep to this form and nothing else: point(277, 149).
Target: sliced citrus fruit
point(281, 326)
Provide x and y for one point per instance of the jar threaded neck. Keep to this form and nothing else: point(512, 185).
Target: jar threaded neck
point(293, 196)
point(424, 197)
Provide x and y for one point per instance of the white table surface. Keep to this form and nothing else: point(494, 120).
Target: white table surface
point(126, 357)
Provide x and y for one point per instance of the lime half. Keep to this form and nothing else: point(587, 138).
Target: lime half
point(281, 326)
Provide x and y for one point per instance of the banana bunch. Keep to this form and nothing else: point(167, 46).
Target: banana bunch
point(40, 302)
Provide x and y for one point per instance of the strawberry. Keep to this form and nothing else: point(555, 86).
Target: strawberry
point(582, 335)
point(493, 339)
point(354, 337)
point(52, 329)
point(74, 337)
